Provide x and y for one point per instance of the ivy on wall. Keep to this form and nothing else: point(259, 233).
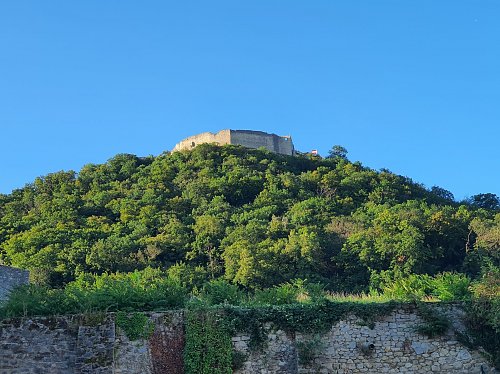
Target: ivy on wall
point(208, 330)
point(304, 318)
point(208, 348)
point(136, 325)
point(206, 338)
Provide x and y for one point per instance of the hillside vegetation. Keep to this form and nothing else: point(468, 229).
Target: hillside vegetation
point(280, 239)
point(253, 218)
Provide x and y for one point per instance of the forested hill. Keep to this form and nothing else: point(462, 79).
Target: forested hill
point(253, 217)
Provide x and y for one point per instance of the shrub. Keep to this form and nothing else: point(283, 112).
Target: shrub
point(277, 295)
point(451, 287)
point(238, 360)
point(308, 350)
point(434, 322)
point(36, 300)
point(148, 289)
point(413, 287)
point(409, 287)
point(483, 314)
point(190, 277)
point(219, 291)
point(295, 291)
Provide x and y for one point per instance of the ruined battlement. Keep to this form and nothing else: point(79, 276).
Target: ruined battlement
point(246, 138)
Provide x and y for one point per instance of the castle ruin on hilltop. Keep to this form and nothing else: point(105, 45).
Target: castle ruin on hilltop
point(246, 138)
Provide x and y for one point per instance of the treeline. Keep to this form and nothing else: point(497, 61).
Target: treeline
point(253, 218)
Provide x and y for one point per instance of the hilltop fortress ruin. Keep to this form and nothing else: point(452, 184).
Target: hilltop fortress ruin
point(246, 138)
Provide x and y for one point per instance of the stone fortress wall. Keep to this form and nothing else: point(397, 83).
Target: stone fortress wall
point(246, 138)
point(256, 139)
point(75, 345)
point(220, 138)
point(11, 277)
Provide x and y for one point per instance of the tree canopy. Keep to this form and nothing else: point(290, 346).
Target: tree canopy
point(251, 217)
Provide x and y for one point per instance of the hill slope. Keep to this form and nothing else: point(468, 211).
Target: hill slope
point(253, 217)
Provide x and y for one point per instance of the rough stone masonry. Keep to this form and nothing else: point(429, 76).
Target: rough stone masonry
point(75, 345)
point(245, 138)
point(11, 277)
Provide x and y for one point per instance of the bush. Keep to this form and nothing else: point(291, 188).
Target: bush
point(238, 360)
point(483, 314)
point(219, 291)
point(148, 289)
point(451, 287)
point(36, 300)
point(409, 287)
point(43, 277)
point(415, 287)
point(277, 295)
point(308, 350)
point(190, 277)
point(295, 291)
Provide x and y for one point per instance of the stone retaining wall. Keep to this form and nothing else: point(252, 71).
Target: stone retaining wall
point(77, 345)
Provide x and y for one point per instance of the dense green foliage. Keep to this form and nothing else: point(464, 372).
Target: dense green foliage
point(483, 317)
point(153, 289)
point(239, 214)
point(208, 343)
point(149, 289)
point(234, 226)
point(414, 287)
point(221, 309)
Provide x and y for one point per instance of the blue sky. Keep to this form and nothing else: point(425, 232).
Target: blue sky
point(412, 86)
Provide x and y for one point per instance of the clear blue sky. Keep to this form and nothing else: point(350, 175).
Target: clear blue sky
point(412, 86)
